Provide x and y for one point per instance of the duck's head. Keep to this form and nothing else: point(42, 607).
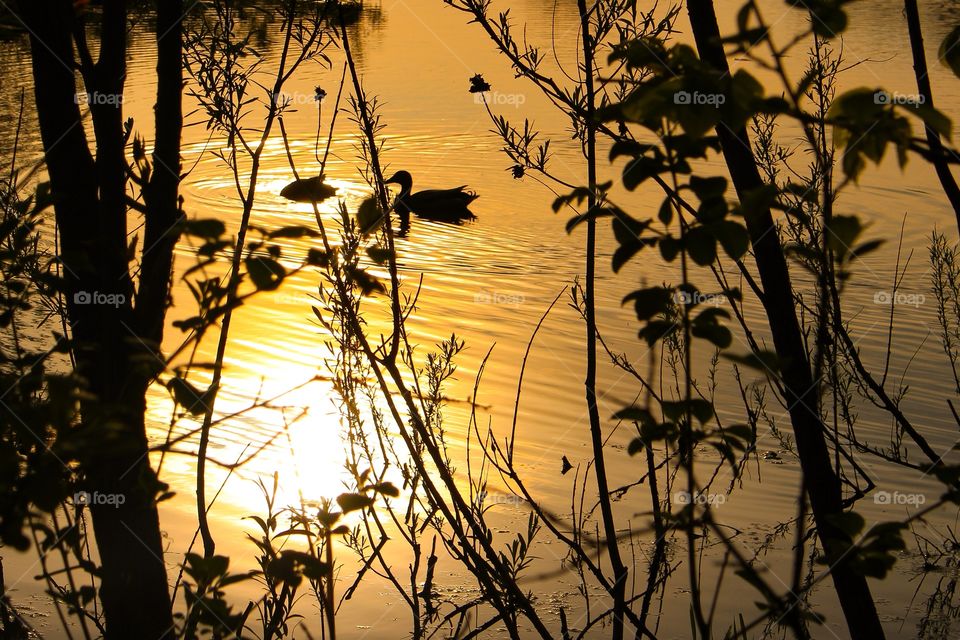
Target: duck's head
point(402, 178)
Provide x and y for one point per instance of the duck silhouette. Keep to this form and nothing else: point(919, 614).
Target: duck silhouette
point(444, 205)
point(312, 189)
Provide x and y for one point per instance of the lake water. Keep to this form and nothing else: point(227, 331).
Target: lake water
point(490, 281)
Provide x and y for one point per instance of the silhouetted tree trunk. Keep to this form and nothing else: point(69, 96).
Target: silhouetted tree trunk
point(116, 345)
point(937, 150)
point(820, 481)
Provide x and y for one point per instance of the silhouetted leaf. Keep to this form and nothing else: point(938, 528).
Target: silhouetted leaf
point(317, 257)
point(742, 432)
point(701, 245)
point(209, 228)
point(950, 51)
point(266, 273)
point(369, 216)
point(380, 255)
point(843, 232)
point(765, 361)
point(629, 234)
point(291, 566)
point(650, 302)
point(641, 168)
point(669, 248)
point(866, 248)
point(733, 237)
point(656, 330)
point(353, 501)
point(865, 126)
point(630, 148)
point(636, 414)
point(364, 281)
point(188, 396)
point(708, 188)
point(591, 214)
point(665, 213)
point(934, 118)
point(387, 489)
point(850, 523)
point(827, 17)
point(478, 84)
point(707, 326)
point(699, 408)
point(293, 231)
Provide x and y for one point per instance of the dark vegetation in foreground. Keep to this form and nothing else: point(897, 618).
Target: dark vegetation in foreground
point(72, 416)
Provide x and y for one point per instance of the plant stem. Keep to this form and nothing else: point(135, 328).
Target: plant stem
point(590, 382)
point(249, 198)
point(331, 604)
point(937, 150)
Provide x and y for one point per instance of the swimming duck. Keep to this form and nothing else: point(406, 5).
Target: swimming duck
point(308, 190)
point(446, 205)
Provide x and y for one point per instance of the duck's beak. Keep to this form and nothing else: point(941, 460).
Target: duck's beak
point(392, 180)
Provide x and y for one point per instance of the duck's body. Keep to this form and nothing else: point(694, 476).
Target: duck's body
point(308, 190)
point(445, 205)
point(439, 204)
